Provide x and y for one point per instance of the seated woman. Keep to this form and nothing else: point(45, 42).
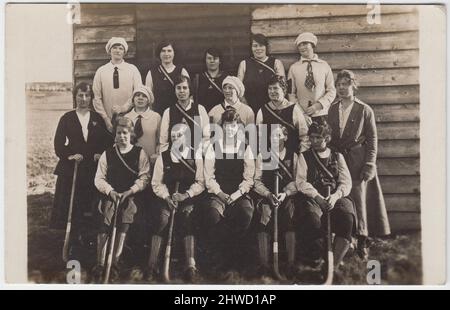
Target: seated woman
point(320, 168)
point(146, 122)
point(233, 90)
point(229, 171)
point(184, 110)
point(281, 164)
point(81, 136)
point(282, 112)
point(355, 136)
point(122, 173)
point(181, 165)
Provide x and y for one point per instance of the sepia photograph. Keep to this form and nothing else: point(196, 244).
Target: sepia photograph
point(222, 143)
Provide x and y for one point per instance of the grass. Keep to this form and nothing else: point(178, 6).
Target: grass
point(399, 255)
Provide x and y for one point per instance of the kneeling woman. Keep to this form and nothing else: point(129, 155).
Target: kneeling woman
point(122, 173)
point(281, 164)
point(229, 171)
point(181, 165)
point(319, 168)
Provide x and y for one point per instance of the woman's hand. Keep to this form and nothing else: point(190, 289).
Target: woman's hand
point(223, 197)
point(171, 203)
point(125, 195)
point(368, 172)
point(332, 200)
point(235, 196)
point(115, 196)
point(77, 157)
point(281, 197)
point(323, 204)
point(97, 157)
point(179, 197)
point(272, 199)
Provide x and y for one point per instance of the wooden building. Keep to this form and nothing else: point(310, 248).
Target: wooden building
point(384, 56)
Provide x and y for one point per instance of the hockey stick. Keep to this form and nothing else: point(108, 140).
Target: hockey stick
point(65, 254)
point(166, 265)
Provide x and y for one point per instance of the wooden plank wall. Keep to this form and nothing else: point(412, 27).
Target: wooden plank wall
point(385, 59)
point(100, 22)
point(193, 28)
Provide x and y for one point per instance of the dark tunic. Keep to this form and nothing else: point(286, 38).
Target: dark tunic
point(229, 169)
point(69, 130)
point(268, 176)
point(163, 89)
point(256, 82)
point(287, 114)
point(121, 179)
point(174, 172)
point(316, 177)
point(207, 94)
point(176, 117)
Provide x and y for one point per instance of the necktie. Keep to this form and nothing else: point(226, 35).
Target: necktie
point(138, 131)
point(116, 78)
point(309, 81)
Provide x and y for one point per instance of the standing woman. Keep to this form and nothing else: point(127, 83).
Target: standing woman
point(160, 79)
point(355, 136)
point(256, 71)
point(209, 83)
point(81, 136)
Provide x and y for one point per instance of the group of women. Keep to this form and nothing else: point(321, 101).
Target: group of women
point(156, 155)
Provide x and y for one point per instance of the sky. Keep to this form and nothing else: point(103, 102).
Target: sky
point(46, 38)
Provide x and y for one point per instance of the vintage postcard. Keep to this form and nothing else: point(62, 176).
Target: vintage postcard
point(138, 136)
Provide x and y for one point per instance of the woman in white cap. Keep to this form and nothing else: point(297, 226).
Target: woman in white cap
point(160, 79)
point(146, 129)
point(115, 82)
point(146, 122)
point(311, 80)
point(256, 71)
point(355, 136)
point(233, 90)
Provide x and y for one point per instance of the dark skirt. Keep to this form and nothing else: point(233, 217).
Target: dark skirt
point(85, 201)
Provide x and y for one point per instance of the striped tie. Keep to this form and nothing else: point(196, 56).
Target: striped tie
point(309, 81)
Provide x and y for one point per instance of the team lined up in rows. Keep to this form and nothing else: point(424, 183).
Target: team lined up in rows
point(224, 190)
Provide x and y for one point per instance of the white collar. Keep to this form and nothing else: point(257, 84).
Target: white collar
point(324, 154)
point(236, 105)
point(184, 155)
point(314, 58)
point(283, 105)
point(119, 65)
point(129, 147)
point(235, 149)
point(145, 115)
point(189, 106)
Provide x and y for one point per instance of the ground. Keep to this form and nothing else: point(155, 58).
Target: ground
point(399, 255)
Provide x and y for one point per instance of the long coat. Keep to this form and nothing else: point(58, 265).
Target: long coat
point(359, 144)
point(69, 141)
